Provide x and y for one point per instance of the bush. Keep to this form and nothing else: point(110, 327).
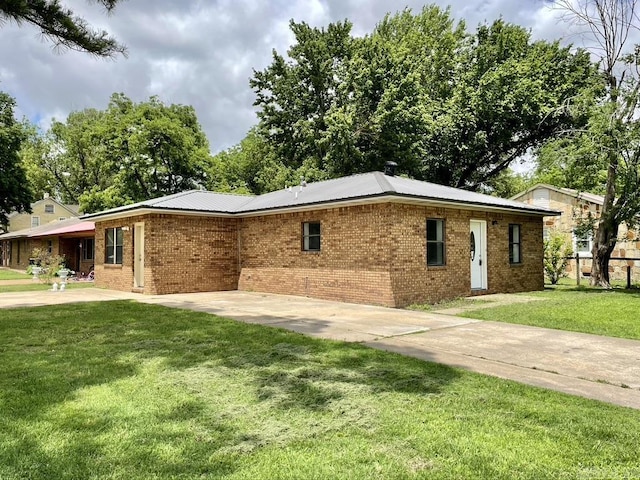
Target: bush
point(557, 250)
point(50, 264)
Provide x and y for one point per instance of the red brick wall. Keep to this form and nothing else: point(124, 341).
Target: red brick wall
point(182, 254)
point(372, 254)
point(352, 265)
point(415, 282)
point(377, 254)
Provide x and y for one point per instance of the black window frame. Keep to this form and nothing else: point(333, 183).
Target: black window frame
point(515, 245)
point(308, 238)
point(112, 247)
point(440, 244)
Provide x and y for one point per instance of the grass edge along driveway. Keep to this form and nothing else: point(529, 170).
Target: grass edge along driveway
point(612, 313)
point(127, 390)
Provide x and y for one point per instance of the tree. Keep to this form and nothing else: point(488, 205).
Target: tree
point(557, 252)
point(124, 154)
point(15, 193)
point(447, 106)
point(61, 26)
point(614, 126)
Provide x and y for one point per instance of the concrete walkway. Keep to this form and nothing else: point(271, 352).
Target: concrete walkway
point(601, 368)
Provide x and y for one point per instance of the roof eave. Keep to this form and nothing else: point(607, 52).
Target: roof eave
point(146, 210)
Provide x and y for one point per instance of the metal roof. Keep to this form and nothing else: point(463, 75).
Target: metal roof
point(377, 184)
point(358, 187)
point(590, 197)
point(191, 200)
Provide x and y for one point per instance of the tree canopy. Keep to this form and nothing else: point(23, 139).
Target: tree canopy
point(124, 154)
point(448, 106)
point(15, 193)
point(61, 26)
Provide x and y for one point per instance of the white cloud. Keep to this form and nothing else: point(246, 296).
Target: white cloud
point(199, 52)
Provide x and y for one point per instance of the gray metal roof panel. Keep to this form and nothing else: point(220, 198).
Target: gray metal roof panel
point(377, 184)
point(191, 200)
point(354, 187)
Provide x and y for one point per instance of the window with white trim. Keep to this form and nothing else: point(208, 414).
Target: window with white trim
point(49, 208)
point(582, 243)
point(35, 221)
point(113, 242)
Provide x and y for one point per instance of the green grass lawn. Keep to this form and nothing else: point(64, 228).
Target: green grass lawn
point(121, 390)
point(615, 313)
point(12, 275)
point(41, 287)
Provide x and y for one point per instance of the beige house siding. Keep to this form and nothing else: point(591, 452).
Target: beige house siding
point(574, 206)
point(20, 221)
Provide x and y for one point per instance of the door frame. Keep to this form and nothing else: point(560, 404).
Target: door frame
point(138, 255)
point(482, 255)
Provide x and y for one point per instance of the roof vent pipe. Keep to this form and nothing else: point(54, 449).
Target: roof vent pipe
point(390, 168)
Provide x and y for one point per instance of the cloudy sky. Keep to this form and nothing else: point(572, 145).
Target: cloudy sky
point(201, 52)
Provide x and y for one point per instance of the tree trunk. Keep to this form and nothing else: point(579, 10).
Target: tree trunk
point(607, 233)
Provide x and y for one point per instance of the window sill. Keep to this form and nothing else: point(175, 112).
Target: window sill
point(436, 267)
point(516, 265)
point(113, 265)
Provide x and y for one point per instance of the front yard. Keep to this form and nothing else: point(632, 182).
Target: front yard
point(613, 313)
point(122, 390)
point(6, 274)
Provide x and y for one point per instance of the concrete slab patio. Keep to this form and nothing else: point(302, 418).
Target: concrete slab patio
point(601, 368)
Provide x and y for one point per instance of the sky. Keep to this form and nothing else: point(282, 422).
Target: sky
point(202, 52)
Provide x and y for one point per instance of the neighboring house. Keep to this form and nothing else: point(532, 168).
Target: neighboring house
point(43, 211)
point(574, 206)
point(368, 238)
point(73, 238)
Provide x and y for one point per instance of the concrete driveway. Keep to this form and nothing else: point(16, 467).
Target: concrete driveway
point(591, 366)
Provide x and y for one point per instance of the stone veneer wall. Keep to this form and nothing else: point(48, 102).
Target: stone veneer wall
point(628, 244)
point(182, 254)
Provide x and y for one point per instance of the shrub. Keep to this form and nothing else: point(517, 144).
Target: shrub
point(50, 264)
point(557, 250)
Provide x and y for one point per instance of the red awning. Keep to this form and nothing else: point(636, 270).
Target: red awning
point(82, 227)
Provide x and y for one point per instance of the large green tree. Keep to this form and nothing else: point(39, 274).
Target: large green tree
point(61, 26)
point(15, 193)
point(446, 105)
point(126, 153)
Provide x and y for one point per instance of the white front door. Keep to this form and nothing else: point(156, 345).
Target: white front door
point(138, 255)
point(478, 251)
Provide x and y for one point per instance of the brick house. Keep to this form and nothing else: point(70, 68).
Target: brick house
point(573, 206)
point(72, 238)
point(369, 238)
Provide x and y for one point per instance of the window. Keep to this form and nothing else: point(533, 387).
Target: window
point(582, 243)
point(88, 246)
point(435, 242)
point(114, 239)
point(48, 208)
point(35, 222)
point(50, 246)
point(514, 244)
point(311, 236)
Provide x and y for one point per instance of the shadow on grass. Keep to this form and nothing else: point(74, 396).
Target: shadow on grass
point(50, 355)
